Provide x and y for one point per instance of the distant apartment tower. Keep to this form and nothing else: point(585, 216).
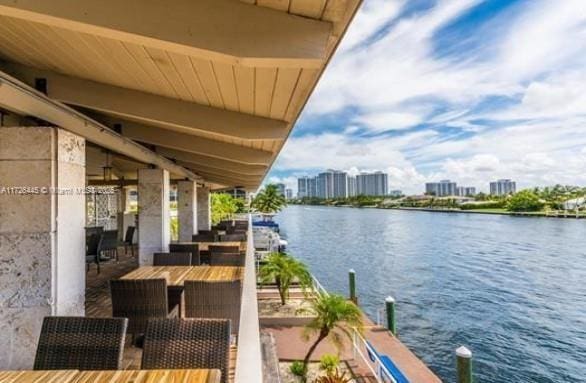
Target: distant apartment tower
point(441, 189)
point(303, 187)
point(281, 189)
point(312, 187)
point(289, 193)
point(465, 191)
point(372, 184)
point(332, 184)
point(503, 187)
point(351, 186)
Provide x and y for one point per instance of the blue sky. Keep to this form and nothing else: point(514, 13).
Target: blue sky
point(468, 90)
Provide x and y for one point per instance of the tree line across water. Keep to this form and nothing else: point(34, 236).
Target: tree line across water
point(527, 200)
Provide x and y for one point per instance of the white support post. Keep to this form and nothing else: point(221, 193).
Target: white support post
point(154, 226)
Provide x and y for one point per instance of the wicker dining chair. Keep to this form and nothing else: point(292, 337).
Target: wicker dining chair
point(227, 259)
point(187, 343)
point(214, 299)
point(129, 240)
point(223, 249)
point(172, 259)
point(204, 238)
point(192, 248)
point(140, 300)
point(233, 238)
point(81, 343)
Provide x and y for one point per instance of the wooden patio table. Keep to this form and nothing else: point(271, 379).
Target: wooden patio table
point(177, 275)
point(205, 246)
point(54, 376)
point(149, 376)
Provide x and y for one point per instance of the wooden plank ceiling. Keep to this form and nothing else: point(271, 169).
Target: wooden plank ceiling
point(215, 84)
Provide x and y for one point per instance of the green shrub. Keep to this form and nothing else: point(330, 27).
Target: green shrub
point(297, 368)
point(329, 363)
point(483, 205)
point(525, 200)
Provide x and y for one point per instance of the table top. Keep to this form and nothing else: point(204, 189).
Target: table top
point(204, 246)
point(57, 376)
point(148, 376)
point(176, 275)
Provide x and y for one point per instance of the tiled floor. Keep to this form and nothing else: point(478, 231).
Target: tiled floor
point(98, 302)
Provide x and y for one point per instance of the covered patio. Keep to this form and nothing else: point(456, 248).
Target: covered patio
point(139, 99)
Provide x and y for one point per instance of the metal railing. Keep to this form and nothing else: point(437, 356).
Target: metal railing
point(249, 356)
point(317, 286)
point(360, 347)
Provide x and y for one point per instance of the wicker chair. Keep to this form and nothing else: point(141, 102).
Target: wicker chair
point(193, 249)
point(204, 238)
point(214, 299)
point(207, 257)
point(172, 259)
point(227, 259)
point(79, 343)
point(92, 252)
point(187, 343)
point(233, 238)
point(140, 300)
point(128, 240)
point(109, 245)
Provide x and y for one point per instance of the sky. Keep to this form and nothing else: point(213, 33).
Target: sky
point(467, 90)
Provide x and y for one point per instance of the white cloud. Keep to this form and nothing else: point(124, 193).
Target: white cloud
point(534, 55)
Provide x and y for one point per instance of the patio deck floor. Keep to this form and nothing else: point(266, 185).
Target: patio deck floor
point(98, 303)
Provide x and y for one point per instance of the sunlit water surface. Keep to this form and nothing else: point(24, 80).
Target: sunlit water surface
point(511, 289)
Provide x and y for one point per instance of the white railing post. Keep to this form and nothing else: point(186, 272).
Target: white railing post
point(249, 357)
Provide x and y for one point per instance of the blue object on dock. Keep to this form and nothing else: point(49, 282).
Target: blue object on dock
point(396, 374)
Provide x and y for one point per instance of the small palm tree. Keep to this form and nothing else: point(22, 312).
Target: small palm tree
point(269, 200)
point(284, 269)
point(334, 316)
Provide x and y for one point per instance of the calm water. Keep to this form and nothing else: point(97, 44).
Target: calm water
point(511, 289)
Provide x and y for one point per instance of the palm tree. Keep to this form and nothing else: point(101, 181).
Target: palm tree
point(284, 269)
point(269, 200)
point(334, 315)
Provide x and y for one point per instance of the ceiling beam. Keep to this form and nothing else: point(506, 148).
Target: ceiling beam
point(164, 112)
point(220, 30)
point(199, 169)
point(196, 160)
point(192, 144)
point(21, 99)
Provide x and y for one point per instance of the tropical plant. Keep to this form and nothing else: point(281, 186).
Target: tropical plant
point(333, 320)
point(174, 221)
point(334, 377)
point(269, 200)
point(329, 363)
point(283, 269)
point(297, 368)
point(525, 200)
point(224, 206)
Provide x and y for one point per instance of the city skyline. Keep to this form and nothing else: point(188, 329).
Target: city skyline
point(431, 90)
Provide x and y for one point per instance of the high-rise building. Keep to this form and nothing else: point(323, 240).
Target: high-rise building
point(325, 184)
point(372, 184)
point(303, 187)
point(503, 187)
point(289, 193)
point(312, 187)
point(340, 180)
point(281, 189)
point(441, 189)
point(351, 186)
point(465, 191)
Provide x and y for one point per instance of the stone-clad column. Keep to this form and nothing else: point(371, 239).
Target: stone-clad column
point(204, 215)
point(121, 209)
point(187, 209)
point(42, 240)
point(154, 226)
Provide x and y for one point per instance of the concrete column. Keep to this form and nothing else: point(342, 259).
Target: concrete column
point(204, 214)
point(121, 207)
point(154, 226)
point(187, 209)
point(42, 239)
